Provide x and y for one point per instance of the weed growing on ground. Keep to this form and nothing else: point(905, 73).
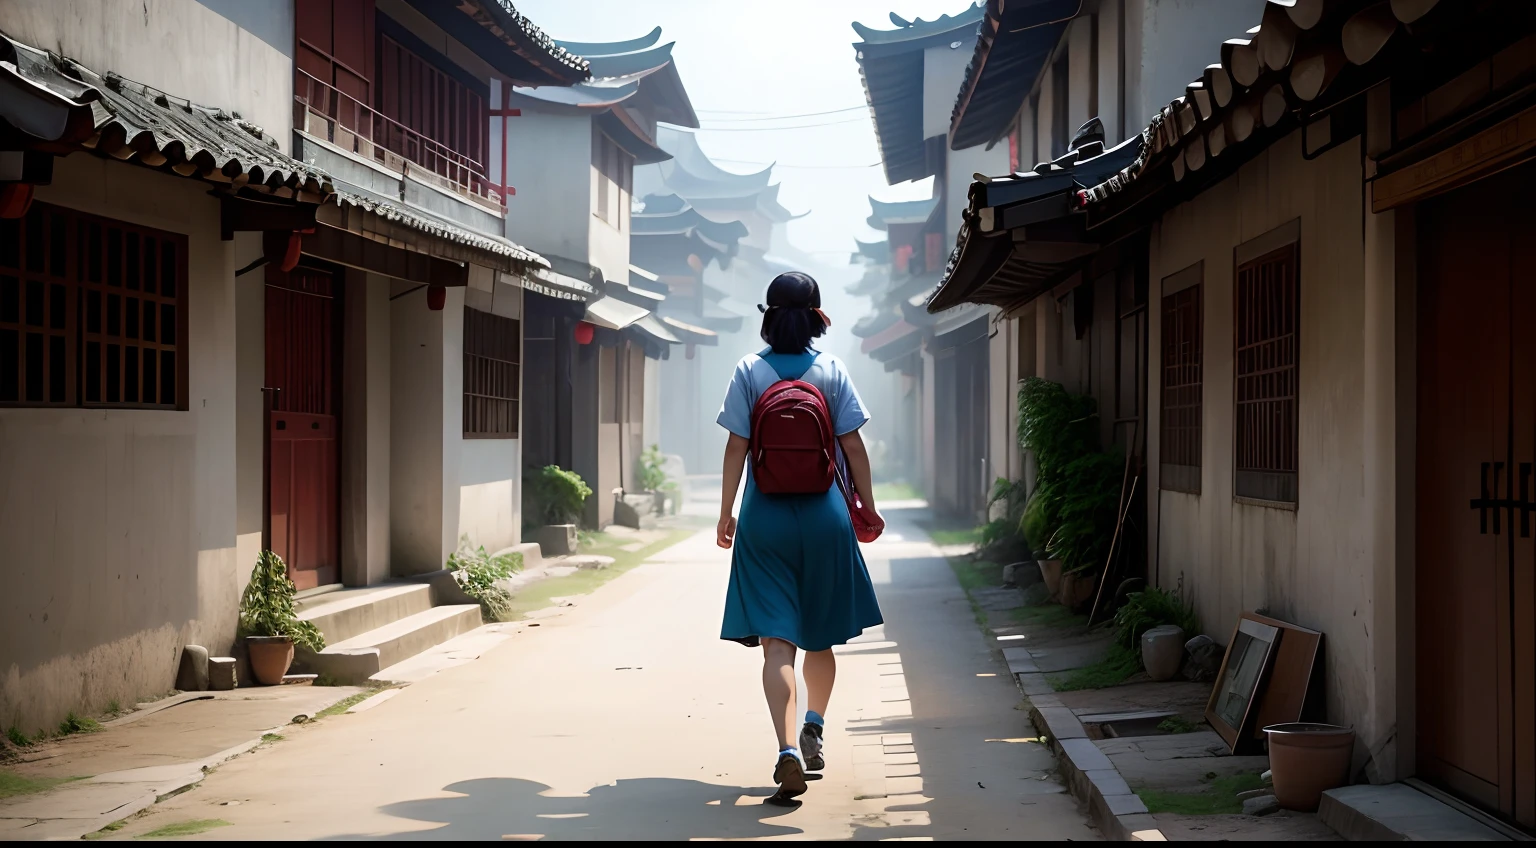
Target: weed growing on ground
point(349, 702)
point(184, 828)
point(272, 737)
point(114, 709)
point(1047, 615)
point(17, 738)
point(108, 830)
point(977, 575)
point(78, 724)
point(1220, 798)
point(1113, 670)
point(479, 574)
point(12, 784)
point(1177, 724)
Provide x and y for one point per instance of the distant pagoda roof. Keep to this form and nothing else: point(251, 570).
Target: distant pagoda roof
point(719, 194)
point(884, 213)
point(1016, 40)
point(891, 65)
point(874, 252)
point(620, 70)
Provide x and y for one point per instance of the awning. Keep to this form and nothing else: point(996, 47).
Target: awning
point(58, 101)
point(655, 330)
point(1022, 234)
point(633, 294)
point(893, 341)
point(551, 283)
point(614, 314)
point(419, 219)
point(691, 334)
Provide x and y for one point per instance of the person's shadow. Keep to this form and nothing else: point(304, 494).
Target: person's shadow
point(644, 808)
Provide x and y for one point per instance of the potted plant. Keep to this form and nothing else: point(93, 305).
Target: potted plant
point(1056, 428)
point(1087, 513)
point(270, 624)
point(553, 499)
point(653, 477)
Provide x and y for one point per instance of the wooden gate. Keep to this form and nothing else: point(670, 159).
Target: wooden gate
point(1476, 556)
point(303, 366)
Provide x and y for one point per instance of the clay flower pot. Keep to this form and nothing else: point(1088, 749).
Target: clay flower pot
point(1050, 571)
point(270, 658)
point(1308, 759)
point(1077, 589)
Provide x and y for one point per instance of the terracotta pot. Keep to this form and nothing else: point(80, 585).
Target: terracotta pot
point(1077, 589)
point(1307, 760)
point(270, 658)
point(1050, 571)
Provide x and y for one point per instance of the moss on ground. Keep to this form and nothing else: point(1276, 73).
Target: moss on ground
point(1047, 615)
point(1113, 670)
point(183, 828)
point(13, 784)
point(1218, 798)
point(976, 575)
point(541, 594)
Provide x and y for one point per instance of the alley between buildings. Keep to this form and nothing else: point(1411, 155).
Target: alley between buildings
point(623, 716)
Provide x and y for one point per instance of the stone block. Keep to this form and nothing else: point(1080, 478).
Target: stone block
point(192, 675)
point(1023, 575)
point(221, 674)
point(1262, 805)
point(1036, 594)
point(1203, 660)
point(555, 539)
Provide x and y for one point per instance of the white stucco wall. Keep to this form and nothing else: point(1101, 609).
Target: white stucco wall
point(183, 47)
point(426, 429)
point(943, 71)
point(490, 475)
point(1314, 565)
point(119, 526)
point(549, 156)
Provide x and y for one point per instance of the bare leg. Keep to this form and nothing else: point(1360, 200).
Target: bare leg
point(820, 673)
point(779, 687)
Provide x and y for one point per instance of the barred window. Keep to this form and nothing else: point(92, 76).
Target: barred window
point(1268, 306)
point(492, 378)
point(1182, 392)
point(91, 312)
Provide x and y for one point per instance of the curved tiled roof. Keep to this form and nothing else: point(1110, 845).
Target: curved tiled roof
point(505, 22)
point(1286, 63)
point(400, 214)
point(1014, 43)
point(586, 48)
point(884, 213)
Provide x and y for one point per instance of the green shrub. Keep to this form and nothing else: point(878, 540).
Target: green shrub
point(1151, 608)
point(1059, 429)
point(477, 573)
point(1086, 511)
point(552, 495)
point(652, 477)
point(266, 607)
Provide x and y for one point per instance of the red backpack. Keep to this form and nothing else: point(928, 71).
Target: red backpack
point(793, 450)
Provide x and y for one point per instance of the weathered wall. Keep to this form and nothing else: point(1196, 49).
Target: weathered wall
point(426, 423)
point(365, 423)
point(489, 488)
point(1168, 44)
point(119, 525)
point(1312, 565)
point(197, 49)
point(552, 210)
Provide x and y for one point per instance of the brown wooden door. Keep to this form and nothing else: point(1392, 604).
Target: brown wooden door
point(302, 364)
point(1476, 561)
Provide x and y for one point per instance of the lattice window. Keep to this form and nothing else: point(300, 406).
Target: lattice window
point(1183, 356)
point(492, 375)
point(1268, 307)
point(90, 312)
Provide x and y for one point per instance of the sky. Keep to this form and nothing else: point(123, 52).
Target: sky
point(746, 60)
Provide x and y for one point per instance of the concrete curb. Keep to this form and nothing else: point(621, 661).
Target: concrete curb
point(1116, 810)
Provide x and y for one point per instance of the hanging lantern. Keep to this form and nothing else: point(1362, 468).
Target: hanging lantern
point(437, 297)
point(584, 332)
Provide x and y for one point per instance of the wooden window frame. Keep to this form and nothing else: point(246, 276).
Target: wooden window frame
point(121, 303)
point(615, 174)
point(492, 380)
point(1182, 400)
point(1266, 368)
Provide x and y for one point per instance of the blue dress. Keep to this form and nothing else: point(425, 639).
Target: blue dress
point(796, 570)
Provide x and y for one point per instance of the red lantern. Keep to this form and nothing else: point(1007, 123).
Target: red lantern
point(585, 332)
point(437, 296)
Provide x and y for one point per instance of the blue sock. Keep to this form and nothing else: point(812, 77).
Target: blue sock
point(813, 717)
point(786, 749)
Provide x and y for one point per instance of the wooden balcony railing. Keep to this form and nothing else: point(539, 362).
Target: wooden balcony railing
point(321, 110)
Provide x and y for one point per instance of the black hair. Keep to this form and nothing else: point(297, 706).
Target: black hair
point(792, 317)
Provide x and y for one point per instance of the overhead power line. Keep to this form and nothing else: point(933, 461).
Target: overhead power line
point(859, 119)
point(798, 167)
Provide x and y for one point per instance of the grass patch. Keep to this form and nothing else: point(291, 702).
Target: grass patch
point(343, 705)
point(1177, 724)
point(108, 830)
point(272, 737)
point(1047, 615)
point(78, 724)
point(955, 537)
point(538, 595)
point(1114, 669)
point(896, 492)
point(1220, 798)
point(977, 575)
point(12, 784)
point(183, 828)
point(17, 738)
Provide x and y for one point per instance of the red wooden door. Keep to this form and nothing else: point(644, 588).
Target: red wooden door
point(1476, 561)
point(301, 317)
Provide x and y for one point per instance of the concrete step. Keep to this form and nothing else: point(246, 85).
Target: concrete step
point(356, 659)
point(352, 612)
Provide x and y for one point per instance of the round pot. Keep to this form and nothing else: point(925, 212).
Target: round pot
point(1308, 759)
point(270, 658)
point(1076, 589)
point(1162, 651)
point(1050, 571)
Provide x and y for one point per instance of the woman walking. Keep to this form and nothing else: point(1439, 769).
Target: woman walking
point(798, 580)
